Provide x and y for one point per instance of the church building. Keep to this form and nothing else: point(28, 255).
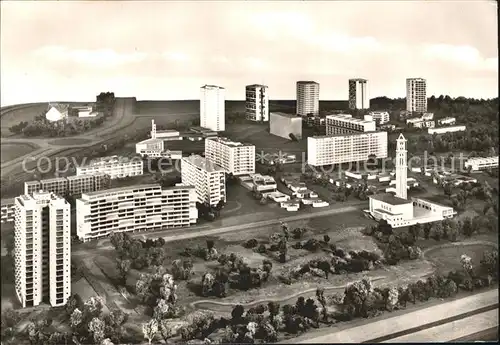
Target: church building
point(396, 209)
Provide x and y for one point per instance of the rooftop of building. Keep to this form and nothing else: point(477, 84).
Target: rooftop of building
point(390, 199)
point(418, 79)
point(7, 201)
point(256, 85)
point(203, 163)
point(307, 82)
point(291, 116)
point(41, 196)
point(81, 177)
point(348, 118)
point(111, 159)
point(135, 188)
point(202, 129)
point(167, 131)
point(150, 141)
point(358, 79)
point(207, 86)
point(229, 142)
point(344, 135)
point(54, 180)
point(482, 159)
point(59, 107)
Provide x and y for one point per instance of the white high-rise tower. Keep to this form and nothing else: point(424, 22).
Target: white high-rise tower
point(212, 107)
point(42, 249)
point(153, 129)
point(401, 168)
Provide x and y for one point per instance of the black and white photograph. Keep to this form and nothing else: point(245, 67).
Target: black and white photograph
point(249, 172)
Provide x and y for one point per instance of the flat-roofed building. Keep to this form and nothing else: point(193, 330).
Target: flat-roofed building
point(135, 208)
point(447, 121)
point(358, 94)
point(165, 134)
point(42, 251)
point(381, 117)
point(71, 185)
point(235, 157)
point(283, 125)
point(208, 178)
point(345, 148)
point(447, 129)
point(416, 95)
point(7, 211)
point(257, 103)
point(212, 107)
point(346, 124)
point(113, 166)
point(152, 147)
point(482, 163)
point(307, 98)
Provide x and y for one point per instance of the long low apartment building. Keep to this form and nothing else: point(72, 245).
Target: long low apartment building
point(346, 124)
point(114, 166)
point(447, 129)
point(235, 157)
point(345, 148)
point(71, 185)
point(208, 178)
point(135, 208)
point(482, 163)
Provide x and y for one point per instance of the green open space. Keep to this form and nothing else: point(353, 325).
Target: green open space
point(18, 113)
point(13, 151)
point(70, 141)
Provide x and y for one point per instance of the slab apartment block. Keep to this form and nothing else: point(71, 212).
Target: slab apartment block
point(136, 208)
point(234, 157)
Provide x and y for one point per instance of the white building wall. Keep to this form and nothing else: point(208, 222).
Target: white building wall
point(283, 124)
point(450, 129)
point(212, 107)
point(30, 254)
point(482, 163)
point(380, 116)
point(345, 124)
point(117, 168)
point(257, 103)
point(210, 184)
point(136, 208)
point(358, 94)
point(307, 98)
point(416, 95)
point(327, 150)
point(234, 157)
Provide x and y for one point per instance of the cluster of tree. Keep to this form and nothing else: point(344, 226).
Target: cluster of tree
point(396, 247)
point(263, 323)
point(41, 126)
point(341, 192)
point(209, 212)
point(235, 273)
point(293, 137)
point(16, 129)
point(208, 253)
point(105, 102)
point(157, 290)
point(362, 300)
point(136, 253)
point(339, 262)
point(90, 326)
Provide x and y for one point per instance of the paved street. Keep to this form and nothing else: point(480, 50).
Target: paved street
point(192, 232)
point(378, 329)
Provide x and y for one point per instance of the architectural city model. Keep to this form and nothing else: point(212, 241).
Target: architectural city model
point(226, 172)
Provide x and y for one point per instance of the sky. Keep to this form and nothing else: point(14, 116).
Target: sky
point(166, 50)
